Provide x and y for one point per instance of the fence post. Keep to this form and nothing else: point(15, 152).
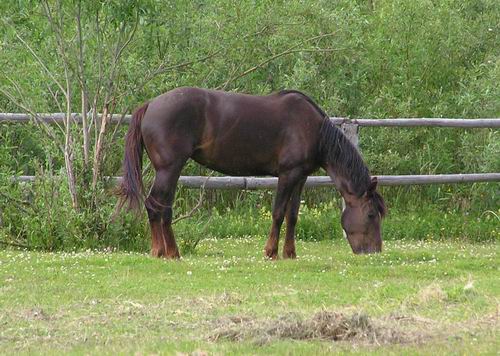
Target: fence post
point(350, 130)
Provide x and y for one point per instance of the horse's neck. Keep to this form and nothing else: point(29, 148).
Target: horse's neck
point(342, 161)
point(342, 183)
point(348, 181)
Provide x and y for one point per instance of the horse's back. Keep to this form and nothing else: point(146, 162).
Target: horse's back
point(233, 133)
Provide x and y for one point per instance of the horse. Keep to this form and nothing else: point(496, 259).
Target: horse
point(284, 134)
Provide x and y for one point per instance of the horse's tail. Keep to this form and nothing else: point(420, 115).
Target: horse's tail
point(131, 190)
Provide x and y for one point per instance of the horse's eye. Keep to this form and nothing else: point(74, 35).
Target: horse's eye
point(371, 216)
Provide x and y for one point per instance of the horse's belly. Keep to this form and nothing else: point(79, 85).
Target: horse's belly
point(236, 164)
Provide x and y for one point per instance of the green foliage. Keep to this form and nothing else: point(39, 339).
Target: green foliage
point(38, 215)
point(355, 58)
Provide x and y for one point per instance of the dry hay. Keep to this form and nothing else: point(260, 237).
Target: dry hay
point(324, 325)
point(432, 293)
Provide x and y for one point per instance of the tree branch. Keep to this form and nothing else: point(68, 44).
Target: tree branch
point(198, 203)
point(284, 53)
point(68, 141)
point(83, 85)
point(161, 69)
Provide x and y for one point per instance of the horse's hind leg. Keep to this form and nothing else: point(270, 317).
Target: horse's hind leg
point(159, 207)
point(168, 233)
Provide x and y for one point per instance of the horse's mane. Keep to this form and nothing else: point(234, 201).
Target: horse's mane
point(341, 153)
point(379, 203)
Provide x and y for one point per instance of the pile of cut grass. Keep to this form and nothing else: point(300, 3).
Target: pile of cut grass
point(323, 325)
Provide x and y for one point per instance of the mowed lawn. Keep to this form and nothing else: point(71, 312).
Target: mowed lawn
point(415, 297)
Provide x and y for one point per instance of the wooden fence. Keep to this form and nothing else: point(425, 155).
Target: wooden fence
point(350, 128)
point(404, 122)
point(252, 183)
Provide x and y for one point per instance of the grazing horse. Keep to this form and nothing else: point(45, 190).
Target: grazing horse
point(284, 134)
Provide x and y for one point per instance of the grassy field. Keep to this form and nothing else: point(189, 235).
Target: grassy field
point(416, 297)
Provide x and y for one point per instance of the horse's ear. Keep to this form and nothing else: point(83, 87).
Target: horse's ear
point(373, 185)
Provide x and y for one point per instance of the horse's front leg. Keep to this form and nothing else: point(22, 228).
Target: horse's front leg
point(292, 214)
point(286, 184)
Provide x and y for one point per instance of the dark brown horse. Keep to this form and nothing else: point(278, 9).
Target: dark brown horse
point(283, 134)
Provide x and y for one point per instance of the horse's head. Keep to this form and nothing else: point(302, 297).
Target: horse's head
point(361, 220)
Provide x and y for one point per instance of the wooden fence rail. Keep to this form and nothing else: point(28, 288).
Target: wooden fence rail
point(350, 128)
point(400, 122)
point(254, 183)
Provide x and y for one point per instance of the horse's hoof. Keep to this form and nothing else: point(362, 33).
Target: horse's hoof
point(289, 254)
point(173, 256)
point(271, 254)
point(157, 253)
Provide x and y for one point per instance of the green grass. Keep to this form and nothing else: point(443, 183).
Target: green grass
point(440, 296)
